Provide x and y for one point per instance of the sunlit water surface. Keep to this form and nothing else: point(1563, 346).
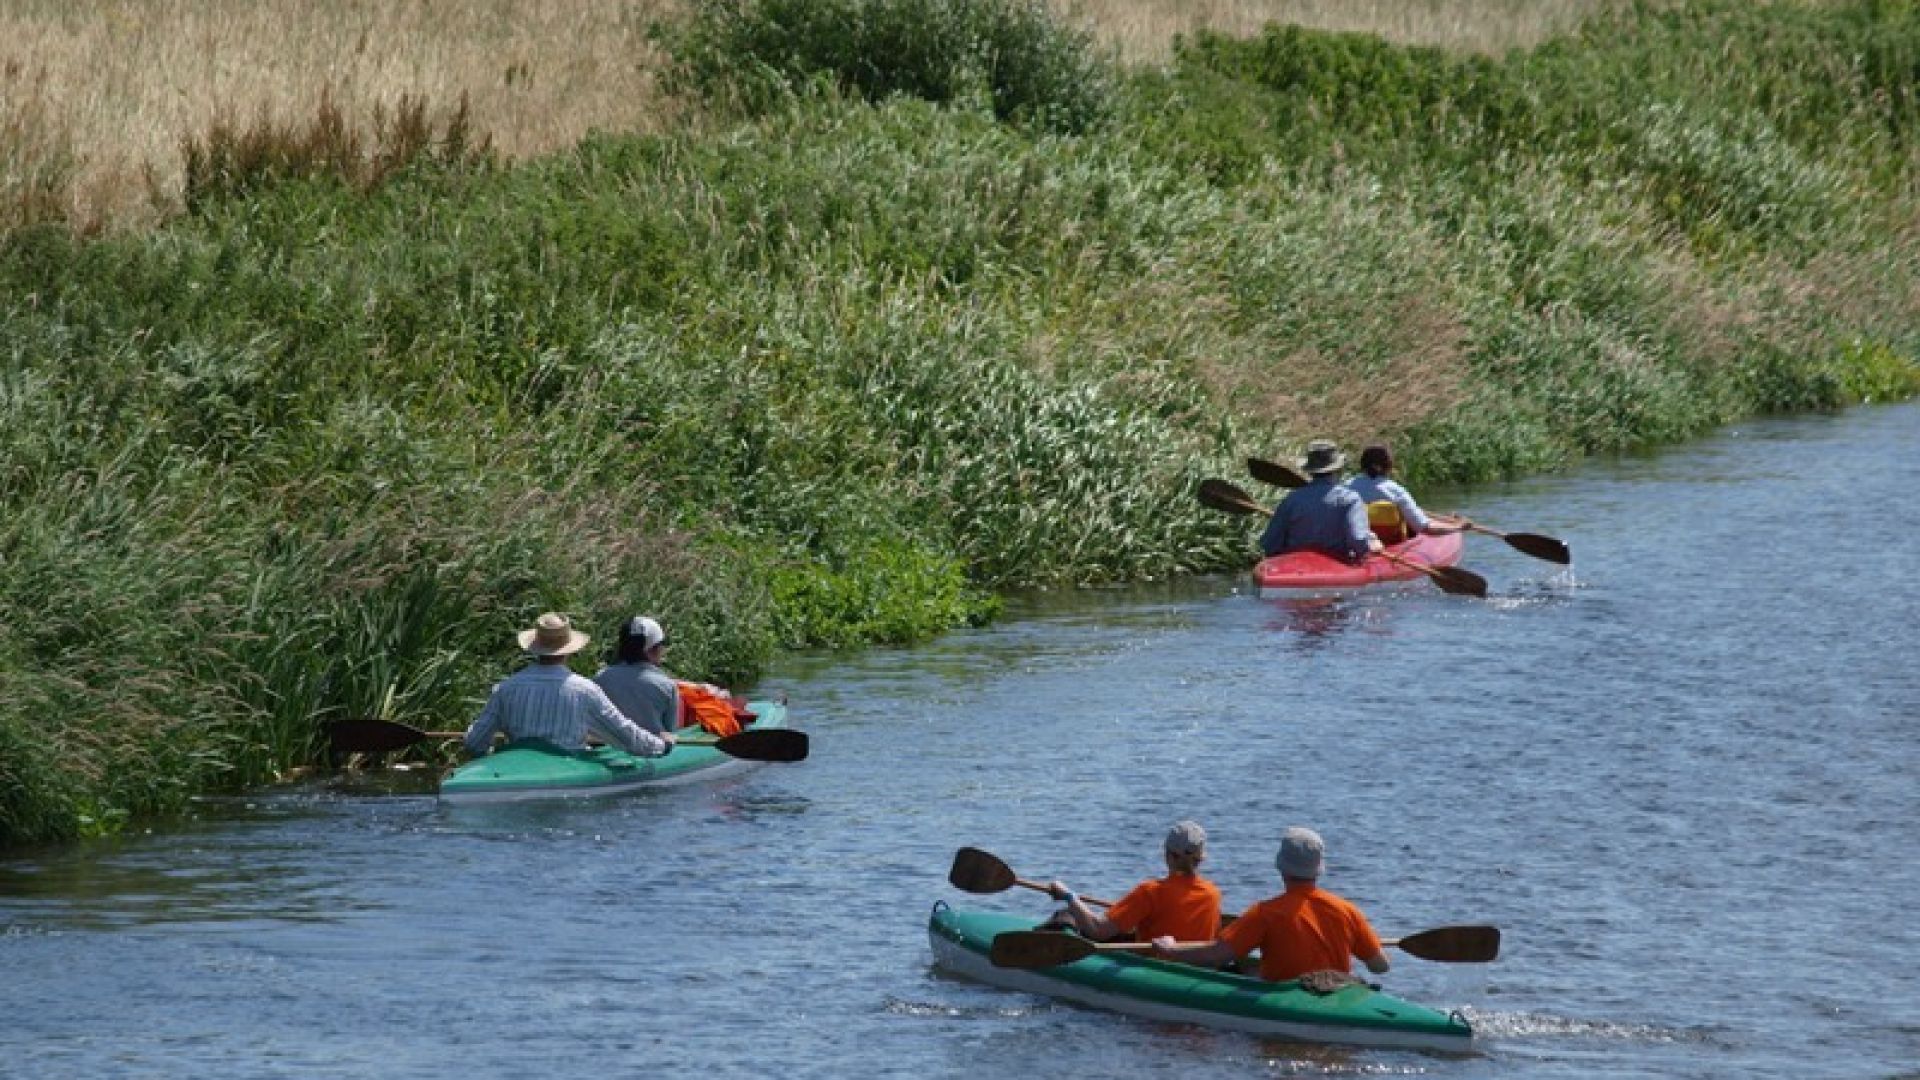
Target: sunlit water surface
point(1682, 778)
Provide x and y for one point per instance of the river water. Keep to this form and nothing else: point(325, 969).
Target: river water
point(1683, 778)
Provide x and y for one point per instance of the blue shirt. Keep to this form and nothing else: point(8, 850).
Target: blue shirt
point(1380, 489)
point(644, 693)
point(547, 701)
point(1324, 516)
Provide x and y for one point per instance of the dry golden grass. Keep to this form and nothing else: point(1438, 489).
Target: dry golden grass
point(1143, 30)
point(106, 91)
point(1419, 373)
point(97, 97)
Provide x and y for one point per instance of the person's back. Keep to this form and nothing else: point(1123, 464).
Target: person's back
point(1182, 906)
point(647, 695)
point(1323, 516)
point(1306, 928)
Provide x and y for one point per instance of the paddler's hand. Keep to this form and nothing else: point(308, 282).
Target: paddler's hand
point(1163, 945)
point(1059, 891)
point(667, 737)
point(1374, 545)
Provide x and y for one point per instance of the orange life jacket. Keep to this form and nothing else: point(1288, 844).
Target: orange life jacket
point(720, 715)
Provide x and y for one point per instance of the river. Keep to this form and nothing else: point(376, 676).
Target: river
point(1683, 778)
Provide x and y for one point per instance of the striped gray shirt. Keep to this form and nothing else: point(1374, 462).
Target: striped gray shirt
point(550, 702)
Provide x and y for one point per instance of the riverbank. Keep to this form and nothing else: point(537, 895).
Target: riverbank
point(811, 369)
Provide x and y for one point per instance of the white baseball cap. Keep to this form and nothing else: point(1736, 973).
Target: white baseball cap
point(646, 631)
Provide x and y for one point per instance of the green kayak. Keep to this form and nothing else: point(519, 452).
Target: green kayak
point(537, 770)
point(1156, 989)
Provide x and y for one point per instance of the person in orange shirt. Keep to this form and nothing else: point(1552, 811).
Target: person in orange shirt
point(1305, 928)
point(1183, 905)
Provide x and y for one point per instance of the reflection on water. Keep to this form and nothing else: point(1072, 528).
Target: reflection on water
point(1314, 620)
point(241, 873)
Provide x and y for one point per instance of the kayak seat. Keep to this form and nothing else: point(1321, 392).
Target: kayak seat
point(1384, 519)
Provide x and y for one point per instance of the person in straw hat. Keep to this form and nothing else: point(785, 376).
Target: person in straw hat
point(1183, 905)
point(1322, 516)
point(1304, 929)
point(546, 700)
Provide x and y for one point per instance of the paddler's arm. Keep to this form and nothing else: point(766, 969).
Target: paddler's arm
point(1211, 955)
point(1367, 948)
point(1273, 539)
point(1090, 923)
point(479, 737)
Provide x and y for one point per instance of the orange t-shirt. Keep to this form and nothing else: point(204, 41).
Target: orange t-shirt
point(1185, 907)
point(1303, 929)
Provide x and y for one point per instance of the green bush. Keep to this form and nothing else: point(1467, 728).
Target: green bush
point(1013, 52)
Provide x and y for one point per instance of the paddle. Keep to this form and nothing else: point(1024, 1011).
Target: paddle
point(754, 744)
point(978, 871)
point(1220, 495)
point(1450, 578)
point(1272, 472)
point(1534, 544)
point(1540, 547)
point(1029, 949)
point(1049, 948)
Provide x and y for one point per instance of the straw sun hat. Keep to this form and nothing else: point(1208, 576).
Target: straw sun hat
point(552, 635)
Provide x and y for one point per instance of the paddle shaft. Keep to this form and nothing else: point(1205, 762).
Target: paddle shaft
point(679, 740)
point(1431, 571)
point(1034, 949)
point(1037, 887)
point(1447, 944)
point(1390, 943)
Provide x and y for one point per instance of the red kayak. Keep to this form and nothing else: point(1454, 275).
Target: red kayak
point(1298, 571)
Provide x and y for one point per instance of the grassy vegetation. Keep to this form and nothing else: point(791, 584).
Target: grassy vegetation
point(882, 330)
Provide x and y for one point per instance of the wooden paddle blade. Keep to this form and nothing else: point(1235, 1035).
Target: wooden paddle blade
point(1455, 944)
point(1457, 581)
point(1216, 494)
point(370, 736)
point(1028, 949)
point(977, 871)
point(1272, 472)
point(765, 744)
point(1541, 547)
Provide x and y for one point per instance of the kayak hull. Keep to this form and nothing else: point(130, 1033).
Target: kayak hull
point(1298, 572)
point(1177, 993)
point(526, 771)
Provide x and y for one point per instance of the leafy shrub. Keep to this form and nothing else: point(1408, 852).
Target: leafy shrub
point(1029, 66)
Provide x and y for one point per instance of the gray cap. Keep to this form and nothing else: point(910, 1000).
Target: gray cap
point(1300, 853)
point(1323, 457)
point(1187, 838)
